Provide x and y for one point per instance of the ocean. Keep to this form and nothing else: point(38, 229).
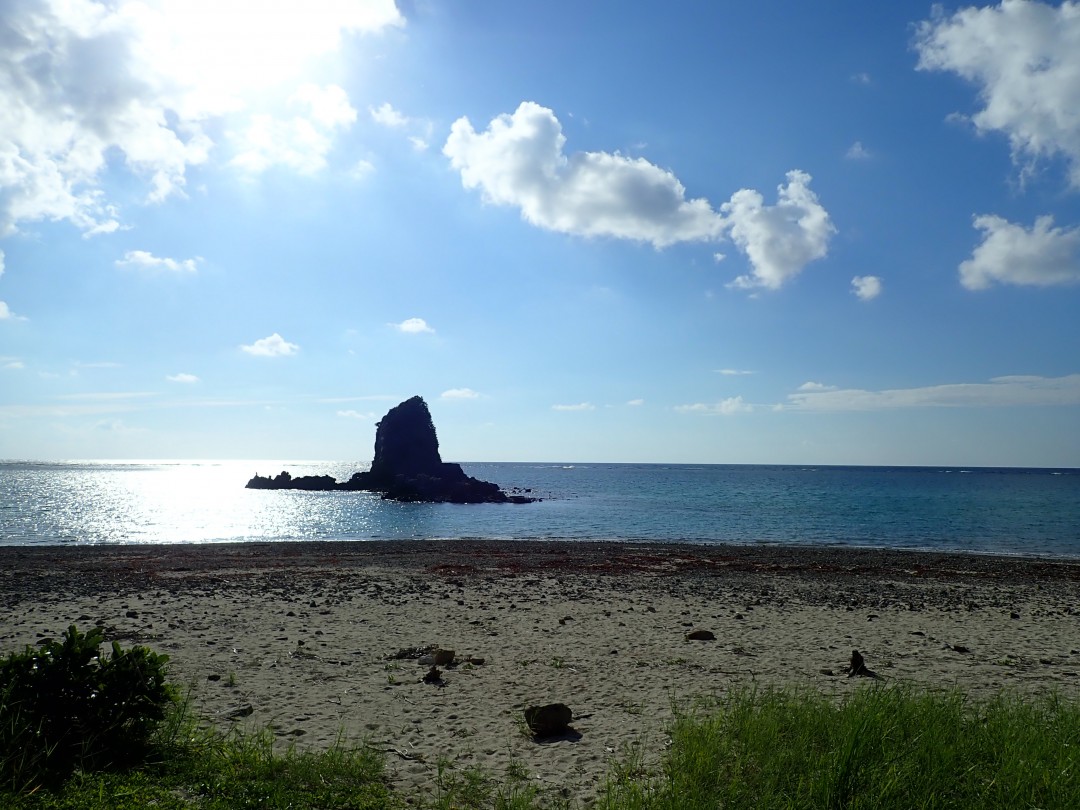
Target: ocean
point(999, 510)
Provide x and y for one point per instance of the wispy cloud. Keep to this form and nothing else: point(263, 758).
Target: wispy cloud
point(459, 393)
point(998, 392)
point(581, 406)
point(725, 407)
point(273, 346)
point(186, 379)
point(734, 372)
point(351, 414)
point(858, 152)
point(148, 261)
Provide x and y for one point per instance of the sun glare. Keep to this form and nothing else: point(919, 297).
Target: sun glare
point(219, 53)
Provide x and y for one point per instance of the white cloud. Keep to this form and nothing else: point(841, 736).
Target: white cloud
point(1041, 256)
point(734, 372)
point(386, 115)
point(273, 346)
point(636, 402)
point(182, 378)
point(725, 407)
point(1024, 58)
point(857, 152)
point(778, 239)
point(361, 169)
point(459, 393)
point(351, 414)
point(866, 288)
point(145, 259)
point(862, 78)
point(87, 87)
point(1, 262)
point(328, 105)
point(581, 406)
point(519, 161)
point(417, 143)
point(7, 315)
point(998, 392)
point(816, 386)
point(301, 142)
point(413, 326)
point(12, 363)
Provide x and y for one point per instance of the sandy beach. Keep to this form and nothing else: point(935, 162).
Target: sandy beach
point(310, 639)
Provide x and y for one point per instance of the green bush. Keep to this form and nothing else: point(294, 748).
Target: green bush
point(65, 704)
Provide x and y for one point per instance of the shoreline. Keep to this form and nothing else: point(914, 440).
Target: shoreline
point(300, 637)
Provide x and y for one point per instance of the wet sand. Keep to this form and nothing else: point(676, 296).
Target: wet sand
point(302, 637)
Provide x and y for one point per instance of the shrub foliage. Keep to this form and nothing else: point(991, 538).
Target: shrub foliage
point(68, 704)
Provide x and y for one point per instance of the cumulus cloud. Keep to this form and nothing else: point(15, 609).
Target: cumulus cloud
point(998, 392)
point(87, 87)
point(6, 314)
point(725, 407)
point(459, 393)
point(866, 288)
point(413, 326)
point(186, 379)
point(519, 161)
point(581, 406)
point(1040, 256)
point(779, 240)
point(146, 260)
point(386, 115)
point(1024, 58)
point(273, 346)
point(816, 386)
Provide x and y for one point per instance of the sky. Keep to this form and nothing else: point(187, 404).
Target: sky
point(678, 232)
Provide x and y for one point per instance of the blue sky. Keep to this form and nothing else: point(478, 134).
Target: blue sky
point(672, 232)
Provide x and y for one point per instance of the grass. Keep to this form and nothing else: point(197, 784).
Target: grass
point(882, 747)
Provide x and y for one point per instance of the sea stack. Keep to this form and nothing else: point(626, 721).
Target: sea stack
point(407, 466)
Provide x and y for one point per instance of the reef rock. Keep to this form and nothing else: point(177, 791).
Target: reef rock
point(407, 466)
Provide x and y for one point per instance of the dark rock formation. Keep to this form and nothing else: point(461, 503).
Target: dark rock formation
point(550, 720)
point(407, 466)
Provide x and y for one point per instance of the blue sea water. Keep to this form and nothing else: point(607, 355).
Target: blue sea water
point(1009, 511)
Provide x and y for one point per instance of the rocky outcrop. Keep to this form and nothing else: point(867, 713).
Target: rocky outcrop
point(407, 466)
